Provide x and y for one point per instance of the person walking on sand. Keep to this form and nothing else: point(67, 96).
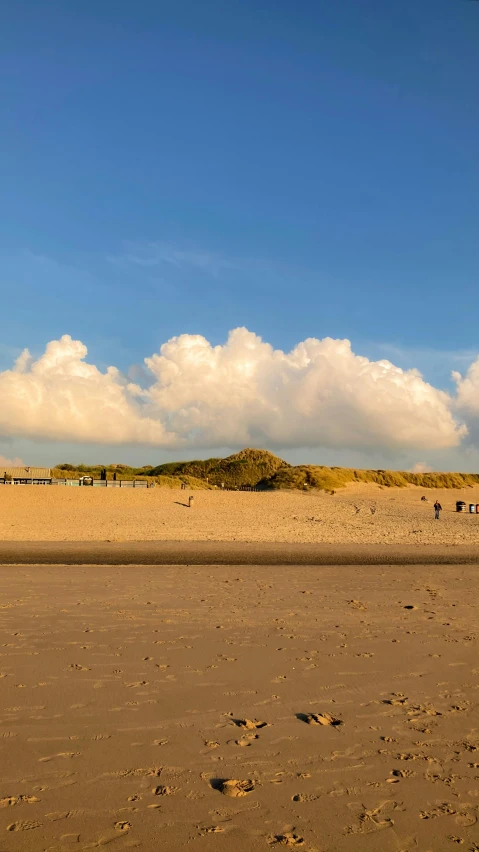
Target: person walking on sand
point(437, 509)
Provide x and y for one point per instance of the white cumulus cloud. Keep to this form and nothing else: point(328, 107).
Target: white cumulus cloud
point(320, 394)
point(62, 397)
point(467, 398)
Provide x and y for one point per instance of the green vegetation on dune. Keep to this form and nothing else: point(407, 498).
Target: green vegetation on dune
point(192, 482)
point(199, 468)
point(262, 469)
point(331, 478)
point(249, 467)
point(68, 471)
point(122, 471)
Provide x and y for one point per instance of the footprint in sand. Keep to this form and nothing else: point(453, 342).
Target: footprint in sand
point(60, 754)
point(23, 826)
point(123, 826)
point(409, 755)
point(164, 790)
point(304, 797)
point(466, 819)
point(396, 701)
point(77, 668)
point(140, 772)
point(55, 816)
point(445, 808)
point(232, 787)
point(319, 719)
point(211, 829)
point(249, 724)
point(245, 741)
point(9, 801)
point(289, 838)
point(376, 818)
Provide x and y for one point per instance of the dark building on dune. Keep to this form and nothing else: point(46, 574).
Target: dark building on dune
point(26, 476)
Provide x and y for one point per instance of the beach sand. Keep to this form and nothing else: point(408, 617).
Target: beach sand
point(290, 676)
point(359, 514)
point(240, 708)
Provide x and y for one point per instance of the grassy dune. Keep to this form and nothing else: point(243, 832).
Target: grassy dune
point(331, 478)
point(263, 469)
point(249, 467)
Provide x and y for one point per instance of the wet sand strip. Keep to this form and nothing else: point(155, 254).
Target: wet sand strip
point(229, 553)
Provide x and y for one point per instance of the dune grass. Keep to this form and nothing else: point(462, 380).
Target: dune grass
point(129, 473)
point(260, 468)
point(248, 467)
point(191, 482)
point(331, 478)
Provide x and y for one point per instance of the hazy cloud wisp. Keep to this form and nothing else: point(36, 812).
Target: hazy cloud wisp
point(4, 462)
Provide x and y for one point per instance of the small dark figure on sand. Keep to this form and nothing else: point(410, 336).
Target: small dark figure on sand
point(437, 509)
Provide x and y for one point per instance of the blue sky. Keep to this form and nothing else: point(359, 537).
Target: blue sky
point(304, 170)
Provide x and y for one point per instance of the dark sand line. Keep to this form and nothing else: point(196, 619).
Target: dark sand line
point(229, 553)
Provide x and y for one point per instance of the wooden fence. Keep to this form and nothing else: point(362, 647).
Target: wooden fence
point(104, 483)
point(243, 488)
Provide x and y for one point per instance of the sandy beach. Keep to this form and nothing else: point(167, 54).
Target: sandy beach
point(239, 708)
point(239, 366)
point(360, 514)
point(257, 672)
